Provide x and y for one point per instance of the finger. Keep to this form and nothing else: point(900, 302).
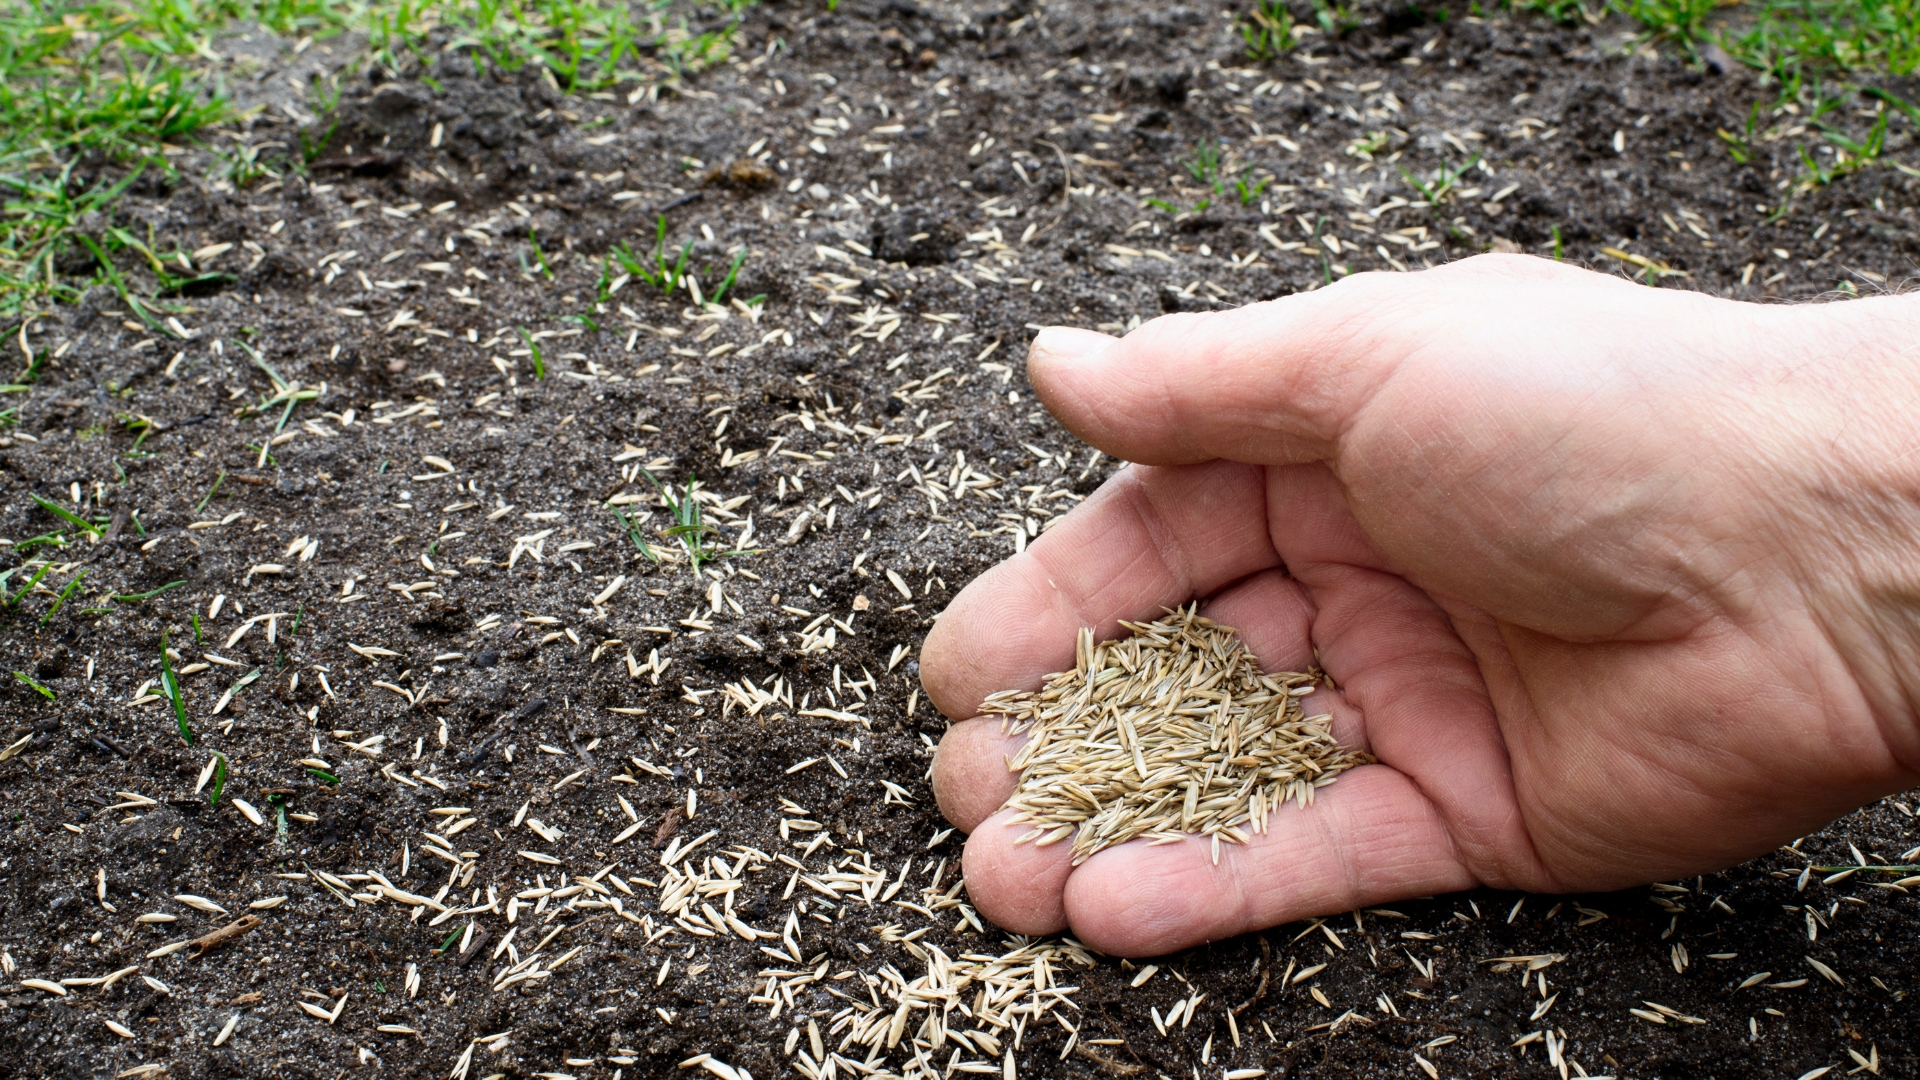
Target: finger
point(970, 774)
point(1019, 887)
point(1369, 838)
point(1275, 382)
point(1150, 538)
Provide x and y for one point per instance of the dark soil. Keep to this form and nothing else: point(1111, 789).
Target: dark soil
point(994, 161)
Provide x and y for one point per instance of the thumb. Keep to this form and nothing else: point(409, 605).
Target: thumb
point(1269, 383)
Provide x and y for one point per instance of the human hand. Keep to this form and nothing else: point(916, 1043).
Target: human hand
point(1618, 584)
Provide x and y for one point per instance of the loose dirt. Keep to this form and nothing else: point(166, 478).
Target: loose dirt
point(918, 187)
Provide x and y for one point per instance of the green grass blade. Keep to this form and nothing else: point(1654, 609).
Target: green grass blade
point(61, 600)
point(29, 680)
point(149, 594)
point(170, 686)
point(65, 514)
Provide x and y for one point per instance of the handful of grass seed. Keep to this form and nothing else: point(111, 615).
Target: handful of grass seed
point(1172, 731)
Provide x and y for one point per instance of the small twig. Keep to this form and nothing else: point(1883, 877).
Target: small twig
point(574, 738)
point(1266, 972)
point(1111, 1064)
point(1066, 188)
point(232, 930)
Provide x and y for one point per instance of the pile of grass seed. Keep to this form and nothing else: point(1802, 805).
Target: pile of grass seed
point(1170, 732)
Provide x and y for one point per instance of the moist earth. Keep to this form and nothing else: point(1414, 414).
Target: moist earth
point(400, 425)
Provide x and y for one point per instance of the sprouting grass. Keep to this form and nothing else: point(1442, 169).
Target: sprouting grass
point(219, 778)
point(95, 94)
point(1267, 30)
point(533, 352)
point(1436, 190)
point(1679, 21)
point(52, 539)
point(211, 492)
point(66, 515)
point(635, 534)
point(80, 81)
point(689, 525)
point(30, 681)
point(1795, 41)
point(1848, 155)
point(170, 689)
point(660, 269)
point(1795, 44)
point(127, 598)
point(539, 256)
point(13, 599)
point(1210, 166)
point(60, 601)
point(1204, 164)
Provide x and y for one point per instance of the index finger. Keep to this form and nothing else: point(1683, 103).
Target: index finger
point(1149, 538)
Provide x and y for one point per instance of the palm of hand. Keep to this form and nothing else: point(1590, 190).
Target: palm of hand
point(1579, 666)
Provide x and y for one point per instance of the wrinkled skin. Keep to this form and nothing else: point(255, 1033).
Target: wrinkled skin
point(1615, 582)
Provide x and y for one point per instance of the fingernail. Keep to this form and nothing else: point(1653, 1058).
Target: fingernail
point(1068, 343)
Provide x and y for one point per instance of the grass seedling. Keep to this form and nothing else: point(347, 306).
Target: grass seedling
point(1335, 18)
point(129, 598)
point(13, 601)
point(30, 681)
point(66, 515)
point(1674, 20)
point(1740, 147)
point(1437, 190)
point(1267, 30)
point(170, 689)
point(1368, 145)
point(214, 490)
point(286, 393)
point(689, 527)
point(659, 269)
point(533, 351)
point(219, 778)
point(1204, 164)
point(52, 539)
point(61, 600)
point(539, 256)
point(1906, 107)
point(634, 534)
point(733, 272)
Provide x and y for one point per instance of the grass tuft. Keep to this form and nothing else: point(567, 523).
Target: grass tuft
point(97, 94)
